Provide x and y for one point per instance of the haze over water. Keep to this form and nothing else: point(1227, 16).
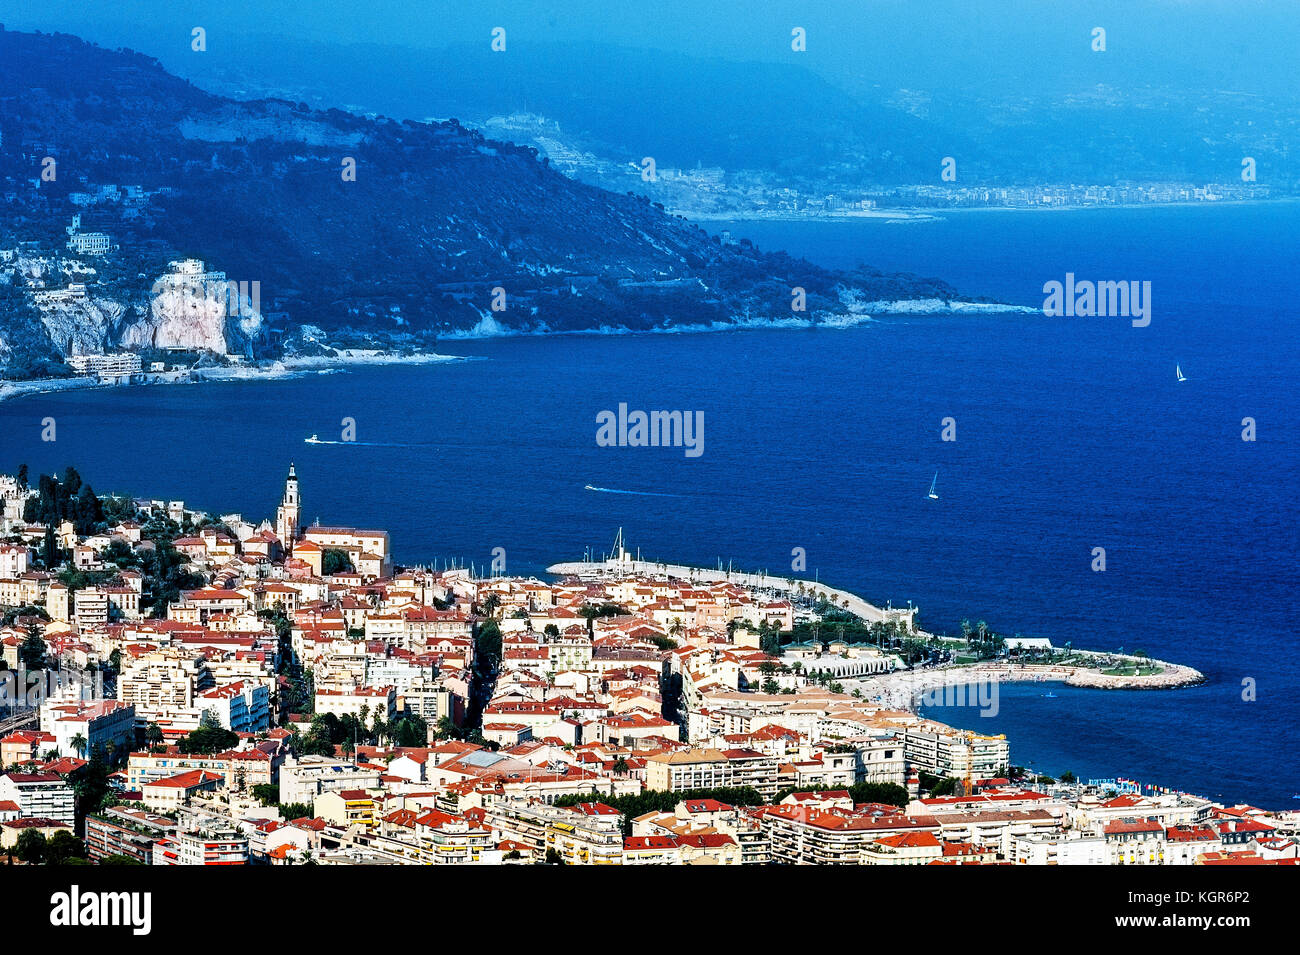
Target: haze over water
point(1072, 434)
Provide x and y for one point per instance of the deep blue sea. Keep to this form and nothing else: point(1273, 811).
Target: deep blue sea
point(1072, 433)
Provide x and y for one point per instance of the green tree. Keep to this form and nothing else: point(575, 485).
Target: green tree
point(336, 561)
point(32, 652)
point(289, 811)
point(63, 847)
point(209, 739)
point(50, 555)
point(87, 513)
point(30, 847)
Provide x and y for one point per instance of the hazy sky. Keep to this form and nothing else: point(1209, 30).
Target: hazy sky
point(1246, 44)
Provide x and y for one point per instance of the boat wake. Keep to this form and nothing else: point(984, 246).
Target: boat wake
point(614, 490)
point(366, 444)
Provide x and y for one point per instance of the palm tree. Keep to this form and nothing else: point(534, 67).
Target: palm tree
point(79, 744)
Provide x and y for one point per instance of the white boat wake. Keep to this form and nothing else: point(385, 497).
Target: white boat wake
point(614, 490)
point(366, 444)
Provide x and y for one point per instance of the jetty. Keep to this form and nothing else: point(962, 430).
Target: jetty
point(903, 687)
point(621, 564)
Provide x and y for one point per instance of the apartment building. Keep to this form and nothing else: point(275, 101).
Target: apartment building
point(961, 754)
point(39, 795)
point(699, 768)
point(128, 832)
point(80, 729)
point(241, 707)
point(172, 792)
point(801, 835)
point(215, 844)
point(306, 778)
point(346, 807)
point(377, 700)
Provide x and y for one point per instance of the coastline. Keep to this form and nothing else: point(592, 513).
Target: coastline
point(286, 368)
point(936, 213)
point(277, 370)
point(893, 215)
point(904, 688)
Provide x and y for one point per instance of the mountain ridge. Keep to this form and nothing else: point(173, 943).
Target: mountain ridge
point(439, 224)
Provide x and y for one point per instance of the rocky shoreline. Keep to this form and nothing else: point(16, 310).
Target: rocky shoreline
point(904, 688)
point(265, 371)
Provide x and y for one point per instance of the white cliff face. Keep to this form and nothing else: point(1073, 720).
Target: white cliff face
point(84, 326)
point(200, 313)
point(192, 317)
point(180, 317)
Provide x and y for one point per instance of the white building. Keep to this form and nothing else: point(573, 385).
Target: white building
point(242, 707)
point(215, 845)
point(89, 243)
point(39, 795)
point(106, 365)
point(378, 701)
point(98, 723)
point(13, 560)
point(305, 779)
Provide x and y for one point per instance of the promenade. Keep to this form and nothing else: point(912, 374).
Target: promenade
point(781, 585)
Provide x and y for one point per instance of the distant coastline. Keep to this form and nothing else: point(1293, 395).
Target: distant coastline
point(936, 213)
point(277, 370)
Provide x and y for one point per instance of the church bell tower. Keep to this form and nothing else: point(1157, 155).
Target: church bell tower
point(287, 520)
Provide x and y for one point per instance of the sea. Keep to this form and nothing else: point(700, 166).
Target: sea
point(820, 445)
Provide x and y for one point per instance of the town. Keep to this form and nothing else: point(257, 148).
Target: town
point(279, 693)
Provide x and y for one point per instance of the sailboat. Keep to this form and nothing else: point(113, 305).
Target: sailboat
point(934, 495)
point(1178, 373)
